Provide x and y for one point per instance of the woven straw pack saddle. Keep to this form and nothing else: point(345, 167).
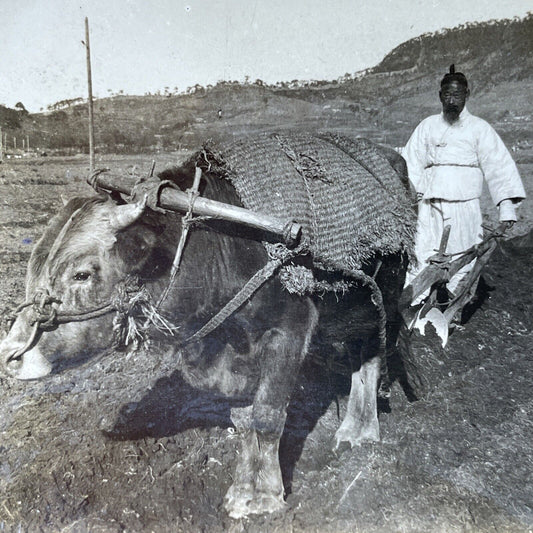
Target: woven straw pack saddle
point(351, 203)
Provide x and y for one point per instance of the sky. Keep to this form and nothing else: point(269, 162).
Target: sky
point(140, 46)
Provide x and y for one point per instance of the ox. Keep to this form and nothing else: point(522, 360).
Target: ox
point(94, 244)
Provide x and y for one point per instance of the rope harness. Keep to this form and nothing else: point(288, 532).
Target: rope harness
point(251, 287)
point(186, 222)
point(127, 298)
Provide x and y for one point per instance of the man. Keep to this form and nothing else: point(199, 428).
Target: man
point(448, 155)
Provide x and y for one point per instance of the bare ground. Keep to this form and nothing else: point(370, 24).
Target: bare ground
point(126, 445)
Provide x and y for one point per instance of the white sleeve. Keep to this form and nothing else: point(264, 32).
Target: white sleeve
point(498, 167)
point(415, 155)
point(507, 211)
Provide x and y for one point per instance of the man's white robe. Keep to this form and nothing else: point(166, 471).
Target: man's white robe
point(447, 164)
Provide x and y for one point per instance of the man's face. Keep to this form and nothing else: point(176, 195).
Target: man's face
point(453, 97)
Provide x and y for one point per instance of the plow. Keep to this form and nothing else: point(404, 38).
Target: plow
point(441, 268)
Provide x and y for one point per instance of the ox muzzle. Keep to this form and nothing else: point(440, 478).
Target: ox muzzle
point(43, 313)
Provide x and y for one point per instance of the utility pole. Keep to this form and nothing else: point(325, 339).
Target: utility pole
point(90, 87)
point(1, 145)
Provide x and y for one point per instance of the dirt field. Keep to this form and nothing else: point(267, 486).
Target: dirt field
point(95, 450)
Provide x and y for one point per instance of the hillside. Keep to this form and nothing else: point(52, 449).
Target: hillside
point(384, 103)
point(497, 57)
point(487, 47)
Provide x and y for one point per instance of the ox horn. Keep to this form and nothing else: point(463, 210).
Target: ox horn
point(122, 216)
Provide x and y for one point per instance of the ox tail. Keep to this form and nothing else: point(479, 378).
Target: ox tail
point(405, 370)
point(376, 298)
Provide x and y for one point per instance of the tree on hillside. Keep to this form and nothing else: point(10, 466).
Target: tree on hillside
point(9, 118)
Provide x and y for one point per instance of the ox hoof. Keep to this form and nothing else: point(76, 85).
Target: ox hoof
point(240, 503)
point(355, 436)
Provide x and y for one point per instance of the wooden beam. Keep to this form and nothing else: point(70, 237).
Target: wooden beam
point(461, 299)
point(173, 199)
point(90, 94)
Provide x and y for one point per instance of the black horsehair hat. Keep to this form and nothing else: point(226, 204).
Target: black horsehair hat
point(450, 76)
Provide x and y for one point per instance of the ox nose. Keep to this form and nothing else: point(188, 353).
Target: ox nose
point(12, 356)
point(10, 350)
point(16, 347)
point(30, 365)
point(9, 358)
point(19, 363)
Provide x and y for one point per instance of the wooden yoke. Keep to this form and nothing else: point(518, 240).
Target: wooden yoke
point(173, 199)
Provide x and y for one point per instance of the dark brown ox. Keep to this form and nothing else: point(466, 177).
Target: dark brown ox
point(94, 244)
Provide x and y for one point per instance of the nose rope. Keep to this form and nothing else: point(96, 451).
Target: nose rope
point(128, 297)
point(29, 343)
point(44, 316)
point(40, 319)
point(40, 301)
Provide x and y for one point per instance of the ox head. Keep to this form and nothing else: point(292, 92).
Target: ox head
point(74, 267)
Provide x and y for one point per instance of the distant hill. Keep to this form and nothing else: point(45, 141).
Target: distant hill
point(384, 103)
point(494, 50)
point(496, 56)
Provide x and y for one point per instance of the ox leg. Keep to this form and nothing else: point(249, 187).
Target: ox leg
point(360, 423)
point(258, 485)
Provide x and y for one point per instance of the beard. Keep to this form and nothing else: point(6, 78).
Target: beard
point(452, 112)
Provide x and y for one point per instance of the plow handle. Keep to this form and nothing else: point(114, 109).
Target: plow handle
point(441, 273)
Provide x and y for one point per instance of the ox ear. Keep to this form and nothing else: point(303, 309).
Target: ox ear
point(123, 216)
point(136, 245)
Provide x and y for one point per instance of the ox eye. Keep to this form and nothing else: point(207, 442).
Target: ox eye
point(82, 276)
